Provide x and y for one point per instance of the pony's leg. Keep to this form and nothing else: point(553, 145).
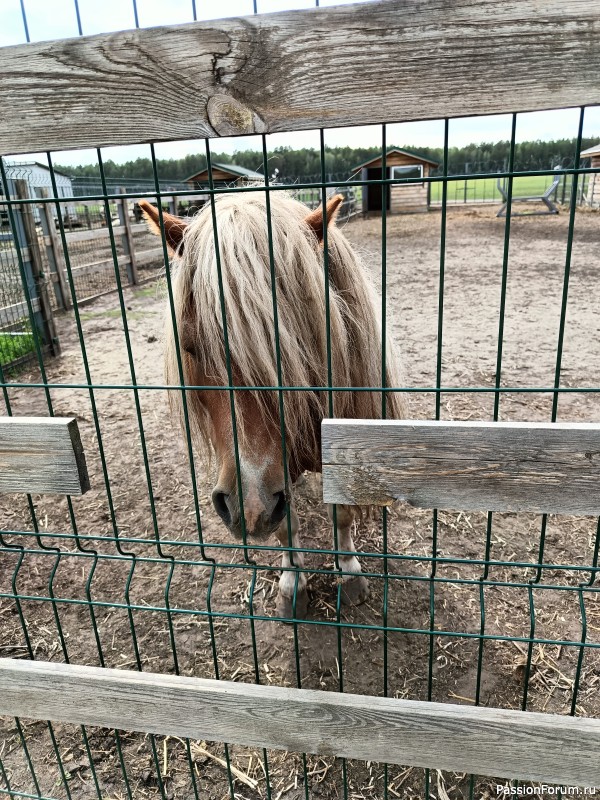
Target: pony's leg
point(355, 587)
point(287, 582)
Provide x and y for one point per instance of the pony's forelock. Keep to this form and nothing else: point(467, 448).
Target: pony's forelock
point(245, 286)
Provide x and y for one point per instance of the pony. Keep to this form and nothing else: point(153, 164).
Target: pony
point(239, 345)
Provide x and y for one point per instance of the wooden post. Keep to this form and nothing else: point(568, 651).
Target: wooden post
point(53, 253)
point(127, 239)
point(36, 263)
point(173, 205)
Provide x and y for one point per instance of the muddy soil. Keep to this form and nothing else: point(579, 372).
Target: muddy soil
point(111, 610)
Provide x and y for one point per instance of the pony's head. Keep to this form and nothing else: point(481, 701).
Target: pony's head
point(224, 301)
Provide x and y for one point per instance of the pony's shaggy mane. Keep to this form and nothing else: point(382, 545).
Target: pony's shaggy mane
point(246, 283)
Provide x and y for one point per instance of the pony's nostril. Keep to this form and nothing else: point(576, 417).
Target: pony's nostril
point(220, 503)
point(278, 512)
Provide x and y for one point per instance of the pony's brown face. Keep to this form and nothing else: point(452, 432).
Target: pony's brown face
point(249, 495)
point(261, 472)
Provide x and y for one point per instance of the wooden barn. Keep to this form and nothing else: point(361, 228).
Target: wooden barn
point(225, 174)
point(593, 187)
point(399, 199)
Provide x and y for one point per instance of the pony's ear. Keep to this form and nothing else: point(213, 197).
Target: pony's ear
point(174, 226)
point(315, 219)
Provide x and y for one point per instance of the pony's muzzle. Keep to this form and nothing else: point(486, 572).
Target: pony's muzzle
point(260, 518)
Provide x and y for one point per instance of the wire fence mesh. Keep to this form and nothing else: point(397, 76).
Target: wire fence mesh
point(139, 573)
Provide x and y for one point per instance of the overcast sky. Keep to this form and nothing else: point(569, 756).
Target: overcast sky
point(51, 19)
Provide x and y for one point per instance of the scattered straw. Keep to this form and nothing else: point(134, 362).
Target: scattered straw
point(197, 750)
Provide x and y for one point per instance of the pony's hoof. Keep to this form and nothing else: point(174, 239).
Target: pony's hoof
point(355, 590)
point(285, 606)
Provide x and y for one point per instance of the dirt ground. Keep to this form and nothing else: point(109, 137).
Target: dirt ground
point(262, 649)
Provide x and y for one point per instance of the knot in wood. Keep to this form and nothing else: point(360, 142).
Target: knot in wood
point(229, 117)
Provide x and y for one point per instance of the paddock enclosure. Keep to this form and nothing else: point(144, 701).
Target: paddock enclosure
point(140, 647)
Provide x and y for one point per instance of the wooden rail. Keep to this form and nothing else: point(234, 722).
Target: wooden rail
point(482, 741)
point(86, 236)
point(41, 455)
point(485, 466)
point(11, 314)
point(388, 61)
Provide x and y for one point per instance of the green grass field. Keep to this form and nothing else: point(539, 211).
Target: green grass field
point(481, 189)
point(476, 190)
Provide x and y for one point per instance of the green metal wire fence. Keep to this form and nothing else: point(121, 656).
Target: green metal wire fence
point(137, 575)
point(36, 561)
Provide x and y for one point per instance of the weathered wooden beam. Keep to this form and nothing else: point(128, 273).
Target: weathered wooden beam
point(149, 255)
point(483, 741)
point(41, 455)
point(11, 256)
point(88, 235)
point(387, 61)
point(105, 264)
point(484, 466)
point(11, 314)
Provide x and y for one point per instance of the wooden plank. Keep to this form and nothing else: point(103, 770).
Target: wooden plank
point(42, 455)
point(88, 235)
point(11, 255)
point(98, 266)
point(12, 314)
point(388, 61)
point(484, 466)
point(483, 741)
point(149, 255)
point(95, 233)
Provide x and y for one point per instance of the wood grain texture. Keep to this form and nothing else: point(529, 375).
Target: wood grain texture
point(484, 741)
point(387, 61)
point(41, 455)
point(483, 466)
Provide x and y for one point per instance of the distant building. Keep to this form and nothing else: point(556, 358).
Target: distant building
point(39, 183)
point(398, 198)
point(37, 177)
point(593, 190)
point(225, 174)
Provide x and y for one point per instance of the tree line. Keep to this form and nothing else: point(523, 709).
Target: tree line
point(342, 162)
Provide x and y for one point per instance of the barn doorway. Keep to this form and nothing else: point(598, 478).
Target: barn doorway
point(376, 191)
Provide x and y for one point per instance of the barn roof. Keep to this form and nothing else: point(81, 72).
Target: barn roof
point(416, 156)
point(233, 169)
point(594, 150)
point(15, 165)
